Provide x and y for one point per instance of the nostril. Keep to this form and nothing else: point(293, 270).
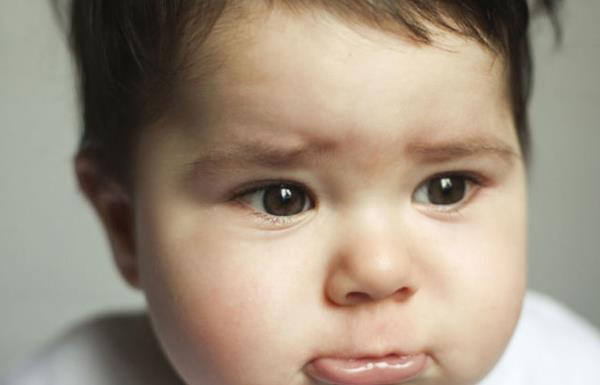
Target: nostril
point(357, 297)
point(403, 293)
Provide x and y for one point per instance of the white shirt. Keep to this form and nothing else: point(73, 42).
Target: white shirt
point(551, 346)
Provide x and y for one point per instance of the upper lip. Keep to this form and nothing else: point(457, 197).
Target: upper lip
point(374, 354)
point(355, 345)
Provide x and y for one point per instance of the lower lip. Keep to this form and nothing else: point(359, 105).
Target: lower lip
point(392, 369)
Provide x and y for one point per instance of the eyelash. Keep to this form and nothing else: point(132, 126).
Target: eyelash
point(473, 182)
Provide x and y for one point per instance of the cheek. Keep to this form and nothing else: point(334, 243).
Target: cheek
point(478, 282)
point(219, 303)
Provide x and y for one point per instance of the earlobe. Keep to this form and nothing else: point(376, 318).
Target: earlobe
point(114, 207)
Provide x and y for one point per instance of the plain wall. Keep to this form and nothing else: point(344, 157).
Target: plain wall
point(56, 267)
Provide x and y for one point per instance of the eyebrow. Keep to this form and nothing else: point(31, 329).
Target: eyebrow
point(262, 154)
point(317, 152)
point(445, 151)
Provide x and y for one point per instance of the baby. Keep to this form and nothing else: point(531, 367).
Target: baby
point(313, 192)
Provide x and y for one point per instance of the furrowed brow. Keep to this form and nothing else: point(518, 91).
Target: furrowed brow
point(241, 156)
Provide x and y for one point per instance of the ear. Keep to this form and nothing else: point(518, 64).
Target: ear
point(114, 207)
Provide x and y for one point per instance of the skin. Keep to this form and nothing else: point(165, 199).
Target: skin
point(238, 297)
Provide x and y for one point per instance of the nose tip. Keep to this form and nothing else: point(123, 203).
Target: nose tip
point(359, 279)
point(372, 259)
point(373, 267)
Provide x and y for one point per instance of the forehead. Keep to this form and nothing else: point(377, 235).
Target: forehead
point(283, 77)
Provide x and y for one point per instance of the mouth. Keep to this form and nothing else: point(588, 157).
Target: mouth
point(391, 369)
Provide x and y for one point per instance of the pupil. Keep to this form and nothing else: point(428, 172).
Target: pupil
point(283, 200)
point(446, 190)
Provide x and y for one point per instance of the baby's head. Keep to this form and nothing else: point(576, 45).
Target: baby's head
point(296, 184)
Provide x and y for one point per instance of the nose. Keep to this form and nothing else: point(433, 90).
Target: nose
point(371, 262)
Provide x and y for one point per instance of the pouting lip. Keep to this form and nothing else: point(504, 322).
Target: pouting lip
point(361, 369)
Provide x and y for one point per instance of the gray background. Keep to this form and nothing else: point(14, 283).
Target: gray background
point(56, 267)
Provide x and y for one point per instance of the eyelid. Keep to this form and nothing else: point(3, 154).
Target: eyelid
point(259, 185)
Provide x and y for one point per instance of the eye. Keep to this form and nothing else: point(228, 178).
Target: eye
point(278, 199)
point(445, 190)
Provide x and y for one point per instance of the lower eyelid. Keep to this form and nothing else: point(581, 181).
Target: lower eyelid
point(272, 219)
point(269, 222)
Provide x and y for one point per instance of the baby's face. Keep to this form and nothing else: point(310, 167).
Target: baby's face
point(335, 193)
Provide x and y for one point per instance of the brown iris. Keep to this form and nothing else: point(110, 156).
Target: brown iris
point(446, 190)
point(284, 200)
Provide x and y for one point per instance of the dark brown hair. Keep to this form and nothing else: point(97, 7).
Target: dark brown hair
point(130, 53)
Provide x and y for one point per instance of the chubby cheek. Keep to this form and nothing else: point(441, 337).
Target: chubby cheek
point(480, 286)
point(221, 306)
